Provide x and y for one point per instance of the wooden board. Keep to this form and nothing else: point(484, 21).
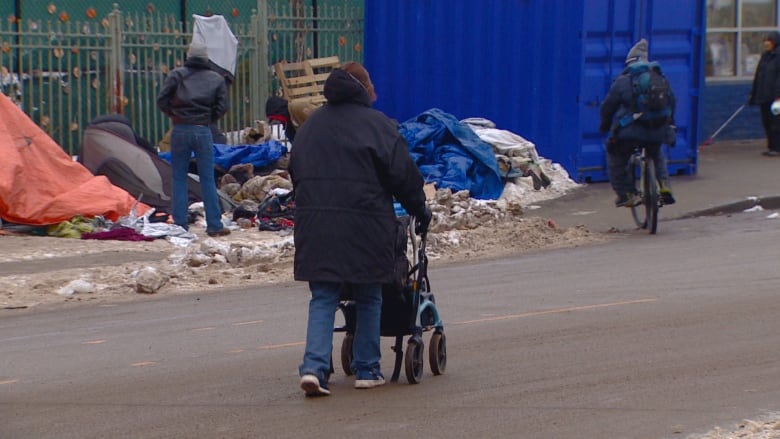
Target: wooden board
point(305, 79)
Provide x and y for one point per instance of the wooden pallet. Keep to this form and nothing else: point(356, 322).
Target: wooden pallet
point(305, 80)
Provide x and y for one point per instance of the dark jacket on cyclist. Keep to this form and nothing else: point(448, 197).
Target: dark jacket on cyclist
point(621, 142)
point(347, 163)
point(619, 103)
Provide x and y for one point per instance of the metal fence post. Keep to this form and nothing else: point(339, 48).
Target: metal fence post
point(260, 66)
point(115, 72)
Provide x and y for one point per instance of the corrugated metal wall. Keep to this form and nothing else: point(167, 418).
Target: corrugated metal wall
point(539, 68)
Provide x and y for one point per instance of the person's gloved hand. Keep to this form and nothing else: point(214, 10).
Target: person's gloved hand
point(423, 221)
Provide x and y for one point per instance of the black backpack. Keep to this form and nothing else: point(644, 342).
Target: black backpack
point(652, 95)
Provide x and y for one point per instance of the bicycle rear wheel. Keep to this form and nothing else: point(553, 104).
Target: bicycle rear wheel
point(650, 198)
point(638, 211)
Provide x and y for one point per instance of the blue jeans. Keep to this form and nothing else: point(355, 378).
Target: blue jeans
point(186, 140)
point(323, 305)
point(620, 177)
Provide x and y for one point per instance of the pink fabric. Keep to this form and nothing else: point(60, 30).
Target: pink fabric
point(119, 234)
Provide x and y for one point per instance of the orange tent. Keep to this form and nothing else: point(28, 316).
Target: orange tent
point(40, 184)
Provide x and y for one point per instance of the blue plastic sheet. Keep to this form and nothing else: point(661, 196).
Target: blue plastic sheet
point(225, 156)
point(451, 155)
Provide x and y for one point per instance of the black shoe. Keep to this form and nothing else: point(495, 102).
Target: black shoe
point(771, 153)
point(628, 200)
point(221, 232)
point(667, 197)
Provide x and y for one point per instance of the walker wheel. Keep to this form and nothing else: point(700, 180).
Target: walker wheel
point(414, 360)
point(437, 353)
point(346, 354)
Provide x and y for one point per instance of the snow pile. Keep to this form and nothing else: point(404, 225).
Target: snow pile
point(531, 178)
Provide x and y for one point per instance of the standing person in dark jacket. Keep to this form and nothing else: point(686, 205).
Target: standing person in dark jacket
point(766, 90)
point(622, 140)
point(347, 163)
point(194, 97)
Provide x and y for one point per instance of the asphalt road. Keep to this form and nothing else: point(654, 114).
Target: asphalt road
point(661, 336)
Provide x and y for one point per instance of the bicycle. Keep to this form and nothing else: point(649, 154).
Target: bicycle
point(642, 167)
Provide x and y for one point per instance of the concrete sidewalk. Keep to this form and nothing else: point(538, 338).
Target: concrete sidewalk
point(729, 174)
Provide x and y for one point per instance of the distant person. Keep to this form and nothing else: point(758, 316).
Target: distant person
point(194, 97)
point(347, 163)
point(766, 91)
point(628, 126)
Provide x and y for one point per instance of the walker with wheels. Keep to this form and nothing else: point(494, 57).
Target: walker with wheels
point(408, 309)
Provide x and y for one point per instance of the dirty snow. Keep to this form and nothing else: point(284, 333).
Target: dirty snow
point(462, 228)
point(768, 427)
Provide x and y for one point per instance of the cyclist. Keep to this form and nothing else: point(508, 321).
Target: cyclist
point(627, 132)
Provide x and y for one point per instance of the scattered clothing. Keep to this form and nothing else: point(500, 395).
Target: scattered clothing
point(119, 234)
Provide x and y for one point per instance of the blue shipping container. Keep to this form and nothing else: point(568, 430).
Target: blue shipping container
point(538, 68)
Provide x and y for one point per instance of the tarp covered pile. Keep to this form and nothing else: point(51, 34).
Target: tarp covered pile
point(451, 155)
point(41, 185)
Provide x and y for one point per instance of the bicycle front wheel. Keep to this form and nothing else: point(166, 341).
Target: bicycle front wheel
point(638, 210)
point(650, 198)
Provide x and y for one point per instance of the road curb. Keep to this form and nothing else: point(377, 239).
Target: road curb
point(770, 203)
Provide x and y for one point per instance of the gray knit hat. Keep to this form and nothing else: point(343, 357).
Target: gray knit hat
point(638, 52)
point(198, 50)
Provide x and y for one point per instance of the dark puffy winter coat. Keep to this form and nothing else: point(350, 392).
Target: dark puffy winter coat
point(766, 82)
point(618, 103)
point(194, 94)
point(347, 163)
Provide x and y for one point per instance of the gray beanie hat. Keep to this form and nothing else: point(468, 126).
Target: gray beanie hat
point(198, 50)
point(638, 52)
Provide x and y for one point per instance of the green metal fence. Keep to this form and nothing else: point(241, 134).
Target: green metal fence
point(64, 72)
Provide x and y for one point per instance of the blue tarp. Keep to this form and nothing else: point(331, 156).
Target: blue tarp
point(451, 155)
point(225, 156)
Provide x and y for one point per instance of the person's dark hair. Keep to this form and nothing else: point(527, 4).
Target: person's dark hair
point(773, 37)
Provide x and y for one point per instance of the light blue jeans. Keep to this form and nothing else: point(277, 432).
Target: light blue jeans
point(324, 302)
point(186, 140)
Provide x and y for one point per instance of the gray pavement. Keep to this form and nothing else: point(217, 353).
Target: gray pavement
point(732, 176)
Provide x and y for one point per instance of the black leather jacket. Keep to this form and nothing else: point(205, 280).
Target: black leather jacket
point(194, 94)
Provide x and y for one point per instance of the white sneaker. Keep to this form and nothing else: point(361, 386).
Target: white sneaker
point(368, 380)
point(312, 387)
